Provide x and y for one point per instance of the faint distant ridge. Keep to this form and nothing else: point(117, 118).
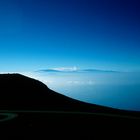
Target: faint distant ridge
point(76, 70)
point(97, 70)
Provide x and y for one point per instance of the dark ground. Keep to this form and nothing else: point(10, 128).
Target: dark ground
point(29, 110)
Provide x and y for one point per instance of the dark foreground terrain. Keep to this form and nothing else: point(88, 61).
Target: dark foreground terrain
point(29, 110)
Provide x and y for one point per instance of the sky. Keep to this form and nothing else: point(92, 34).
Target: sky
point(98, 34)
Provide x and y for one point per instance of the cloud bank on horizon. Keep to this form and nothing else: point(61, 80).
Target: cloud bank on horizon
point(68, 76)
point(74, 70)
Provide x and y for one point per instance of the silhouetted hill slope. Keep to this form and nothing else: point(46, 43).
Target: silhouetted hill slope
point(30, 110)
point(18, 92)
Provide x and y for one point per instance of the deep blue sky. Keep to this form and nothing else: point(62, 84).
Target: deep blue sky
point(101, 34)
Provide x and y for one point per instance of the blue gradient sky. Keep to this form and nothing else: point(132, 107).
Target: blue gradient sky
point(38, 34)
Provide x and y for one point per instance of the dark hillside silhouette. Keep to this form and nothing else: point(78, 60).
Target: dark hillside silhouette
point(19, 92)
point(35, 111)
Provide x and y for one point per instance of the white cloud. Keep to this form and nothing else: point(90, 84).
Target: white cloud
point(66, 69)
point(76, 82)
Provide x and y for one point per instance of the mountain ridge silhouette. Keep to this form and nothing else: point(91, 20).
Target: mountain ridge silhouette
point(19, 92)
point(29, 110)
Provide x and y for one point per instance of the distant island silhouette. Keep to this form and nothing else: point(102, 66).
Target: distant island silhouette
point(31, 105)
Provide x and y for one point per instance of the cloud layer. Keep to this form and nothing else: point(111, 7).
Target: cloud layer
point(75, 69)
